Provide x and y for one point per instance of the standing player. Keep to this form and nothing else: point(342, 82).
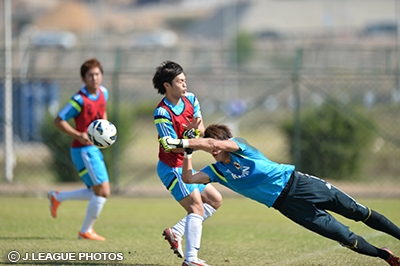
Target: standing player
point(302, 198)
point(85, 106)
point(178, 112)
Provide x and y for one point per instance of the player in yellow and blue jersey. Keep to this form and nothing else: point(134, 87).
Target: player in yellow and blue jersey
point(87, 105)
point(177, 114)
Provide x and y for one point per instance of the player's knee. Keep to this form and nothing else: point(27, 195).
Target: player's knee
point(357, 212)
point(102, 190)
point(217, 203)
point(348, 240)
point(197, 208)
point(212, 197)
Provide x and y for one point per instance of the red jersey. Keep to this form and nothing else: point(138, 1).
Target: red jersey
point(91, 110)
point(173, 159)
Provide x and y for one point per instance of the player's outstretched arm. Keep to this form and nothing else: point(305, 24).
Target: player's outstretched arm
point(187, 172)
point(209, 145)
point(205, 144)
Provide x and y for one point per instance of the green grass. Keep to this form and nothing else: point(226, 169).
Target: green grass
point(241, 233)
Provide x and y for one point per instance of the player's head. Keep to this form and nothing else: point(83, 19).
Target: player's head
point(166, 72)
point(89, 64)
point(219, 132)
point(92, 74)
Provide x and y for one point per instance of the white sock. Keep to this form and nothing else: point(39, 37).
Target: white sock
point(208, 211)
point(79, 194)
point(94, 208)
point(193, 231)
point(179, 228)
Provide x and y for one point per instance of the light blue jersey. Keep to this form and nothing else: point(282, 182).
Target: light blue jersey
point(251, 174)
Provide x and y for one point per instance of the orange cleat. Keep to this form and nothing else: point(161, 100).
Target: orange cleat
point(393, 260)
point(54, 203)
point(91, 235)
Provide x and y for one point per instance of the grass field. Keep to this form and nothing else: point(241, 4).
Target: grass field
point(241, 233)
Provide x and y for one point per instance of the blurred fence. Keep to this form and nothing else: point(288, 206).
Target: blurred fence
point(254, 98)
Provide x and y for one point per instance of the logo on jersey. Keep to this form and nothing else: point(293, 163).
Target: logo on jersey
point(245, 173)
point(237, 165)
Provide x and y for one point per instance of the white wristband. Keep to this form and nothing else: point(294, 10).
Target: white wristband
point(185, 143)
point(187, 156)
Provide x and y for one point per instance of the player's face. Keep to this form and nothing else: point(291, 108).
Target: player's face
point(177, 88)
point(218, 155)
point(93, 79)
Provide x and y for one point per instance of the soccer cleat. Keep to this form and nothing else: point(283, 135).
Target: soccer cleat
point(197, 262)
point(54, 203)
point(173, 241)
point(91, 235)
point(392, 260)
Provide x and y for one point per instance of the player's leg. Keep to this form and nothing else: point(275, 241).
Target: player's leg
point(94, 175)
point(171, 178)
point(193, 229)
point(303, 206)
point(189, 196)
point(379, 222)
point(333, 199)
point(324, 224)
point(212, 200)
point(57, 197)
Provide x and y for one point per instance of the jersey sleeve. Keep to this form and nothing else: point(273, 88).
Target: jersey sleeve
point(214, 173)
point(196, 104)
point(105, 92)
point(72, 109)
point(163, 122)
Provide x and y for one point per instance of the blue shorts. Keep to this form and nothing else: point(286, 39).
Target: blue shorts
point(89, 162)
point(171, 177)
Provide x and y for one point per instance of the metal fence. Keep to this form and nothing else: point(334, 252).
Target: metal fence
point(254, 98)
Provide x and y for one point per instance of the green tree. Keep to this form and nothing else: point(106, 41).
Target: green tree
point(244, 44)
point(331, 143)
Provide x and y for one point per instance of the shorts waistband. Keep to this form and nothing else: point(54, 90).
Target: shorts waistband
point(278, 202)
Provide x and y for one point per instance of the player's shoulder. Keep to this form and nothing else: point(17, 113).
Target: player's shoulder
point(242, 143)
point(103, 89)
point(161, 111)
point(77, 97)
point(191, 97)
point(189, 94)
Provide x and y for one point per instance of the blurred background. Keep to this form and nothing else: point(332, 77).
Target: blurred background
point(311, 83)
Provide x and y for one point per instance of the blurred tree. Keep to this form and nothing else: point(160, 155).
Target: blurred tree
point(331, 142)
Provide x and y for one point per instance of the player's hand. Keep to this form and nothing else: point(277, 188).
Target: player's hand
point(83, 138)
point(191, 134)
point(168, 143)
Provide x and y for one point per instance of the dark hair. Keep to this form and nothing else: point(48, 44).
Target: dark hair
point(220, 132)
point(166, 72)
point(89, 64)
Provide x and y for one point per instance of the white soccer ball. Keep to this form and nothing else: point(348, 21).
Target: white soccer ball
point(102, 133)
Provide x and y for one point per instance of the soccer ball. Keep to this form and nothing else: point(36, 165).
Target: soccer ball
point(102, 133)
